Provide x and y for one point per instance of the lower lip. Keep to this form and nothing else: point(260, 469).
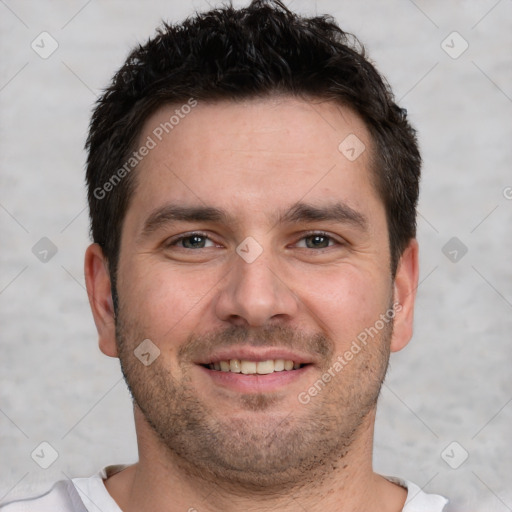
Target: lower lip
point(255, 383)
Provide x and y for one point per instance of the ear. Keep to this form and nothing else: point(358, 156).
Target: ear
point(405, 285)
point(97, 280)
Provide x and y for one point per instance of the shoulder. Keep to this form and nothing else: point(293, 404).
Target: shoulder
point(57, 498)
point(417, 499)
point(74, 495)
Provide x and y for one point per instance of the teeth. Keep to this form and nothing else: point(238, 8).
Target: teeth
point(248, 367)
point(279, 365)
point(253, 367)
point(264, 367)
point(234, 366)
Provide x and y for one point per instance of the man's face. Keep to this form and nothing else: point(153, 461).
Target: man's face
point(292, 264)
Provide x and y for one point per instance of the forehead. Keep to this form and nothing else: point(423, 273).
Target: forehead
point(283, 125)
point(254, 155)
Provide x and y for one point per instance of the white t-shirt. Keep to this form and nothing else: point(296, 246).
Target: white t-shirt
point(91, 495)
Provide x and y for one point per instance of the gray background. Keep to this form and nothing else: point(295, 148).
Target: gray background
point(452, 383)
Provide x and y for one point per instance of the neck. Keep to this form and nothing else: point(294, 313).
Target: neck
point(162, 481)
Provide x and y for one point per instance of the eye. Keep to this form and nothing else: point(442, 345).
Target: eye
point(318, 240)
point(191, 241)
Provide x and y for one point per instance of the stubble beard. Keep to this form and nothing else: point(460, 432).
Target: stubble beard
point(280, 450)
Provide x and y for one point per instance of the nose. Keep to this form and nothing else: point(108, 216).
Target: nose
point(255, 293)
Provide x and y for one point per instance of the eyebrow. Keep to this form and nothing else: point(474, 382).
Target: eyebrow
point(335, 212)
point(299, 212)
point(175, 213)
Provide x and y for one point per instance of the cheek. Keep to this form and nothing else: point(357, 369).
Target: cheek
point(344, 301)
point(165, 302)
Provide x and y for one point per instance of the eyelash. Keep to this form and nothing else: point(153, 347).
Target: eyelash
point(175, 241)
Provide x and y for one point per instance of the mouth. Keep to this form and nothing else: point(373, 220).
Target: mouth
point(248, 367)
point(251, 369)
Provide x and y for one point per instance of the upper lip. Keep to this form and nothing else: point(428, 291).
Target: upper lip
point(249, 353)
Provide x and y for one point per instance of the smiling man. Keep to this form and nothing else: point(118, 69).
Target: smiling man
point(252, 190)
